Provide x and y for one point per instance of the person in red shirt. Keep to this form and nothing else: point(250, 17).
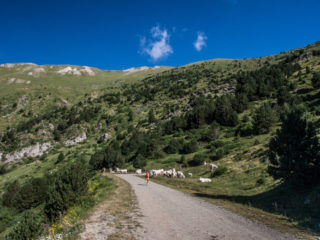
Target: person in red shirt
point(147, 177)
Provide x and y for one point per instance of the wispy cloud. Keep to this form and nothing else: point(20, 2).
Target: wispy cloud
point(158, 46)
point(200, 42)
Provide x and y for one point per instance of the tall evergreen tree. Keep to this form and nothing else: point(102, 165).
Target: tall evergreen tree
point(263, 118)
point(316, 80)
point(151, 117)
point(294, 152)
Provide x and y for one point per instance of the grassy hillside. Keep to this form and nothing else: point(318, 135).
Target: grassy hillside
point(32, 88)
point(223, 111)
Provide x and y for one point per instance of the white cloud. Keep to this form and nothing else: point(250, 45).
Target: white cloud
point(200, 42)
point(158, 46)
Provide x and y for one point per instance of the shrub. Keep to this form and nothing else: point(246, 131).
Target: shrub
point(263, 118)
point(316, 80)
point(174, 146)
point(181, 159)
point(10, 194)
point(29, 227)
point(197, 160)
point(190, 147)
point(218, 153)
point(261, 180)
point(217, 144)
point(60, 158)
point(244, 129)
point(139, 161)
point(69, 185)
point(31, 194)
point(97, 161)
point(211, 134)
point(219, 171)
point(109, 157)
point(3, 168)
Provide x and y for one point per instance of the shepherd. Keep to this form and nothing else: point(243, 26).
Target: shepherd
point(147, 177)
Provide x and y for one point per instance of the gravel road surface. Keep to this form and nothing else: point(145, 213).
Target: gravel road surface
point(169, 214)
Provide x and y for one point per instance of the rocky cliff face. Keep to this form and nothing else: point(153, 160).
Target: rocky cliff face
point(76, 140)
point(31, 151)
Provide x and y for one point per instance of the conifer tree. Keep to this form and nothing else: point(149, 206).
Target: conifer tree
point(294, 152)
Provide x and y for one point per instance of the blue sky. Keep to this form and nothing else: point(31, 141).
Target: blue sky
point(121, 34)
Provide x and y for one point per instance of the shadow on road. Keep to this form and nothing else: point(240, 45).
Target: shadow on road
point(284, 199)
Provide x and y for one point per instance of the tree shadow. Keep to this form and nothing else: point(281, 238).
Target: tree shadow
point(304, 90)
point(284, 199)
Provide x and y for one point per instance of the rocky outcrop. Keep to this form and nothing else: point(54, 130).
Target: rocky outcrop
point(69, 70)
point(22, 102)
point(139, 69)
point(31, 151)
point(88, 70)
point(16, 80)
point(105, 136)
point(11, 65)
point(76, 140)
point(75, 71)
point(51, 126)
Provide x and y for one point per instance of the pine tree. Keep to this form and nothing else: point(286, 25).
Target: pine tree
point(151, 117)
point(294, 152)
point(316, 80)
point(263, 118)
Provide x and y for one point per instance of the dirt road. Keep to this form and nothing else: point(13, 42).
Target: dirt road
point(169, 214)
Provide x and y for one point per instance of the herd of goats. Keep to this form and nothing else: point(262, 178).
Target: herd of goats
point(171, 173)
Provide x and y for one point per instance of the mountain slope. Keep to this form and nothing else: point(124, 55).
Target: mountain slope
point(163, 118)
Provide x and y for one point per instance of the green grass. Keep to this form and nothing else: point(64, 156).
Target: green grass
point(245, 184)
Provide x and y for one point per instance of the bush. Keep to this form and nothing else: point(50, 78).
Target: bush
point(263, 118)
point(174, 146)
point(139, 161)
point(219, 171)
point(218, 154)
point(60, 158)
point(197, 160)
point(217, 144)
point(211, 134)
point(7, 218)
point(181, 159)
point(316, 80)
point(244, 129)
point(190, 147)
point(31, 194)
point(29, 227)
point(69, 185)
point(261, 180)
point(109, 157)
point(97, 161)
point(3, 168)
point(9, 196)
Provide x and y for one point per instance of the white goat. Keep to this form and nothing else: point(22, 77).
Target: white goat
point(180, 174)
point(204, 180)
point(122, 171)
point(212, 167)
